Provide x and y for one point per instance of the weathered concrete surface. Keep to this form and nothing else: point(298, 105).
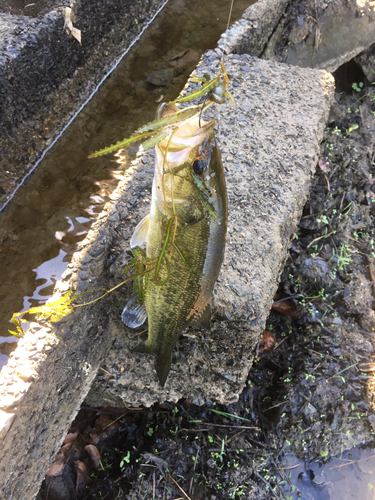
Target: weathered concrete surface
point(315, 34)
point(252, 32)
point(46, 74)
point(322, 34)
point(366, 61)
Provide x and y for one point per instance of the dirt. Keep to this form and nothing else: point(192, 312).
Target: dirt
point(309, 393)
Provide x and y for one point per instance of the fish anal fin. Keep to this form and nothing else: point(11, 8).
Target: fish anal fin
point(142, 348)
point(204, 320)
point(163, 365)
point(134, 313)
point(140, 234)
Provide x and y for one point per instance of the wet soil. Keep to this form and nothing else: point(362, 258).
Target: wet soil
point(309, 394)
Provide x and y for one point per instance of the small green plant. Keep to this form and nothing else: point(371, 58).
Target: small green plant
point(124, 461)
point(323, 219)
point(352, 128)
point(357, 86)
point(344, 257)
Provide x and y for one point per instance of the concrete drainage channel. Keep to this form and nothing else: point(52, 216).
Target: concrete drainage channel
point(270, 144)
point(47, 73)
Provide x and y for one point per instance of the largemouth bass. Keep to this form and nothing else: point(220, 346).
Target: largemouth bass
point(185, 238)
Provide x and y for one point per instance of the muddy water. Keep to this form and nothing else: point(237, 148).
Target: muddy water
point(351, 474)
point(52, 211)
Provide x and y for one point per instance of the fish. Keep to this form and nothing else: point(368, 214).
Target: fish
point(184, 234)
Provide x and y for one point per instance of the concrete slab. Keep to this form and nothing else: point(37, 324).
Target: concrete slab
point(269, 142)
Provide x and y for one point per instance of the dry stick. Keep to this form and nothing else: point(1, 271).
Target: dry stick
point(320, 237)
point(179, 487)
point(342, 371)
point(267, 483)
point(105, 371)
point(192, 477)
point(352, 462)
point(289, 468)
point(353, 239)
point(275, 406)
point(123, 415)
point(231, 426)
point(237, 434)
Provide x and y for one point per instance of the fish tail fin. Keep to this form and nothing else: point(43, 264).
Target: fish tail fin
point(163, 365)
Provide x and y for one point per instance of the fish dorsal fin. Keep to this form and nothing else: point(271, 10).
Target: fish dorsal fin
point(163, 365)
point(140, 233)
point(134, 314)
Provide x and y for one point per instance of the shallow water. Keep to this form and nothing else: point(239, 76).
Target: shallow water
point(54, 208)
point(351, 474)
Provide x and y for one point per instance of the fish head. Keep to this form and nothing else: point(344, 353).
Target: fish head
point(188, 171)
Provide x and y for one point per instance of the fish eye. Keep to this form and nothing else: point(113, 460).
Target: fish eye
point(199, 167)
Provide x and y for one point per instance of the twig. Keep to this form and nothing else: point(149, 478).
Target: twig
point(290, 468)
point(275, 406)
point(179, 487)
point(237, 434)
point(353, 239)
point(118, 418)
point(279, 344)
point(352, 462)
point(267, 483)
point(342, 371)
point(320, 237)
point(231, 426)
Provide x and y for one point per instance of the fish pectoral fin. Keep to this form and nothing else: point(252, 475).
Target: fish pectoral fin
point(203, 321)
point(134, 313)
point(140, 234)
point(163, 365)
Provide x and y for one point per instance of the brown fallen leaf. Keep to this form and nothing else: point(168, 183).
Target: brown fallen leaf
point(94, 455)
point(57, 465)
point(83, 479)
point(285, 307)
point(323, 165)
point(267, 342)
point(69, 438)
point(105, 426)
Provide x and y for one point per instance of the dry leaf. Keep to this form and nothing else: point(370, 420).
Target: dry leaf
point(285, 307)
point(83, 479)
point(268, 341)
point(57, 465)
point(69, 438)
point(94, 455)
point(323, 165)
point(68, 24)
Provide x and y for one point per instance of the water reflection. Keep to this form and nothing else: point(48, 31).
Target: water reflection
point(351, 474)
